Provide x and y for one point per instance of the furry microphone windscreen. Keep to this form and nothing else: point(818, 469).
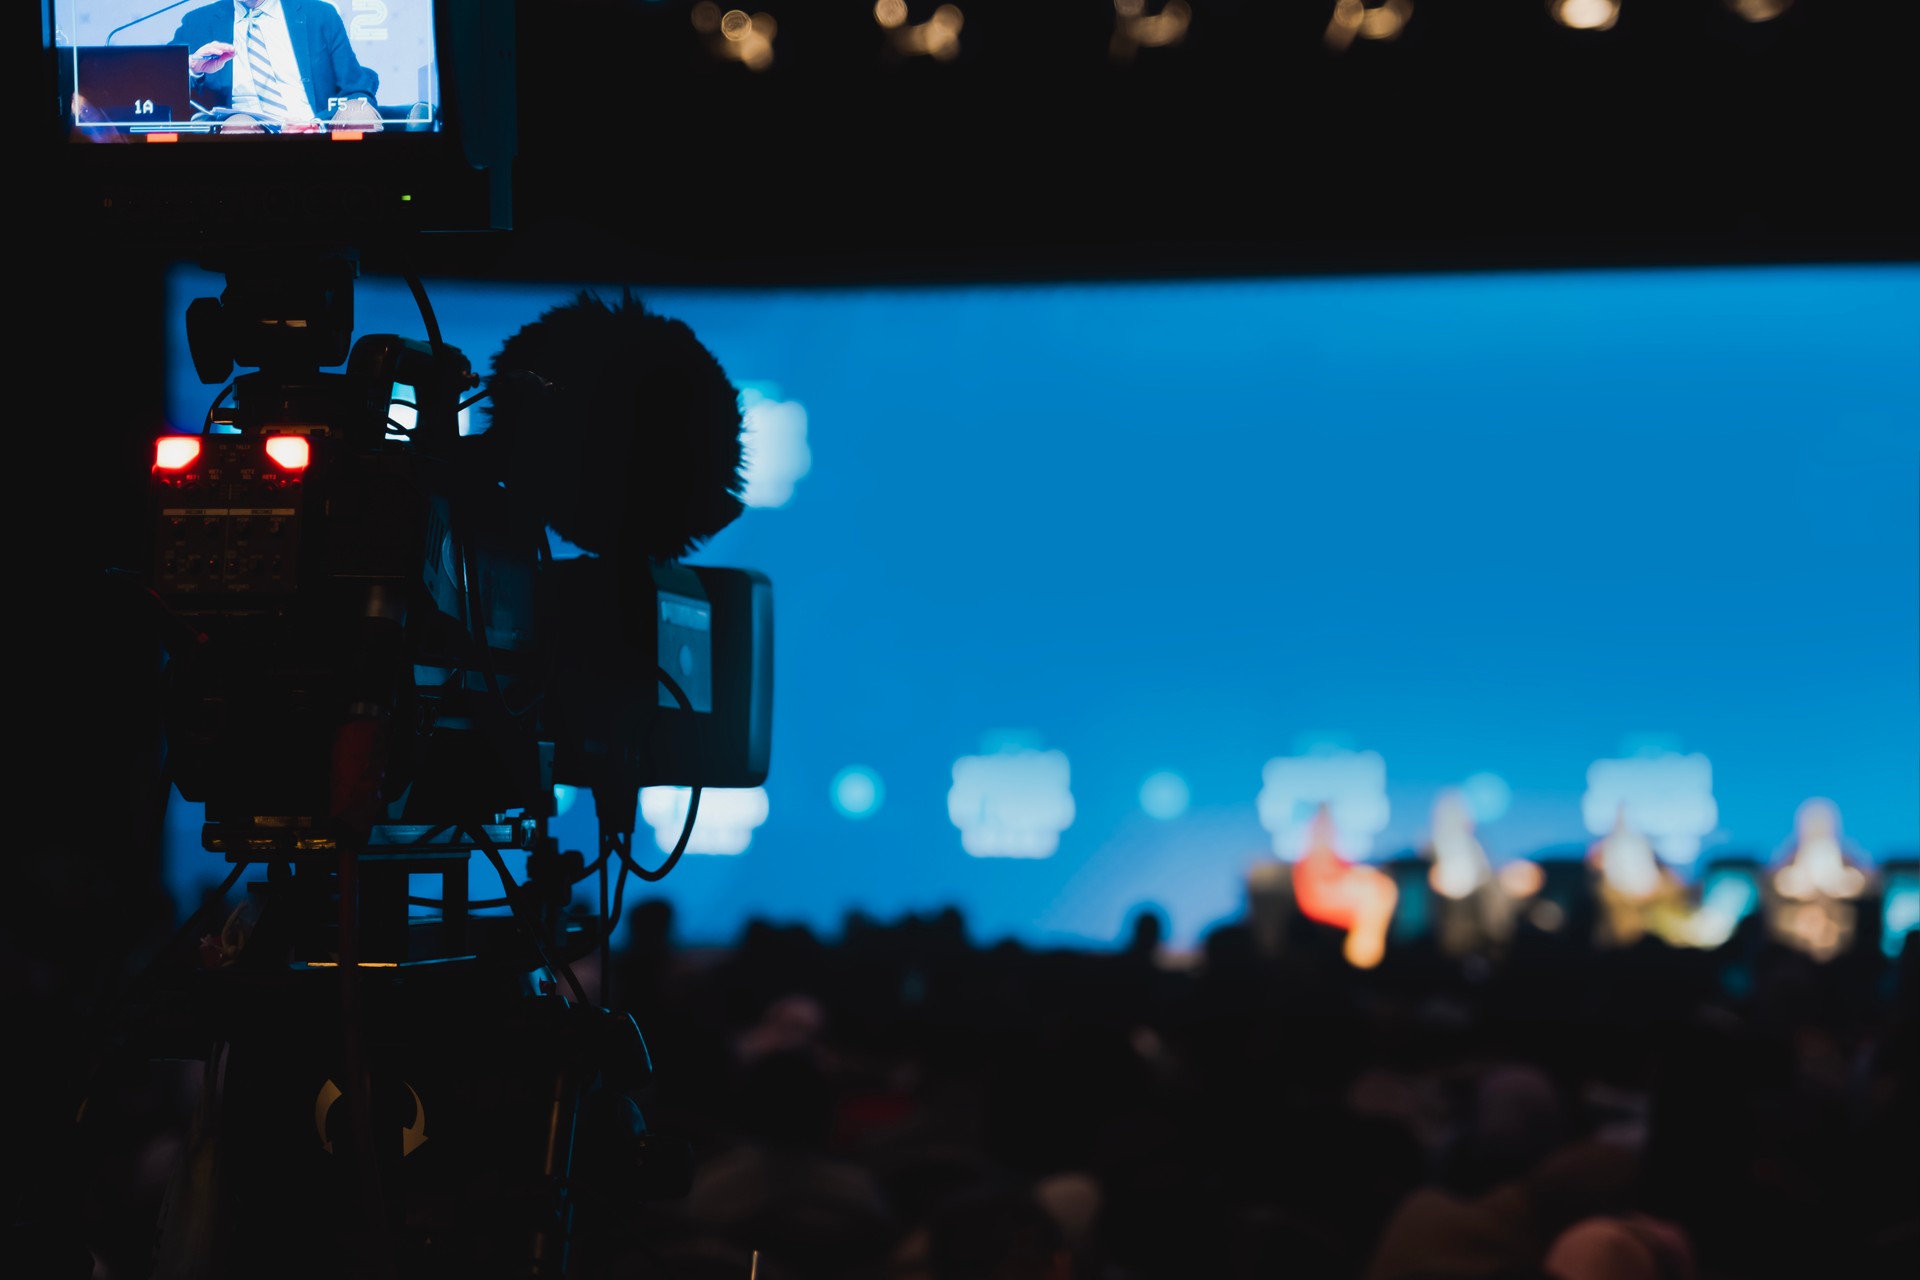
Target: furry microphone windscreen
point(619, 427)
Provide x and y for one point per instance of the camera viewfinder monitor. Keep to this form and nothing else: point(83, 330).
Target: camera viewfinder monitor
point(317, 118)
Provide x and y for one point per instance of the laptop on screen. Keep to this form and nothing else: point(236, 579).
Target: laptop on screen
point(133, 86)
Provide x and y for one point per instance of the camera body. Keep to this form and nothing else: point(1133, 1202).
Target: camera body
point(379, 667)
point(336, 560)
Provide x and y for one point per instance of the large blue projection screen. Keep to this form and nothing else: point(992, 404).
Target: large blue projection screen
point(1088, 595)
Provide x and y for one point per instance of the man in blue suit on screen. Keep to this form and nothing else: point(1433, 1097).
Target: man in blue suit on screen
point(277, 66)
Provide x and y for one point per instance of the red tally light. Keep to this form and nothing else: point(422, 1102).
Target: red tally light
point(291, 452)
point(175, 453)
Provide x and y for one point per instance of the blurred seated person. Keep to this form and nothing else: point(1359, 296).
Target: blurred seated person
point(996, 1233)
point(277, 66)
point(1511, 1228)
point(1346, 895)
point(1813, 892)
point(1639, 895)
point(1627, 1246)
point(1269, 901)
point(1474, 907)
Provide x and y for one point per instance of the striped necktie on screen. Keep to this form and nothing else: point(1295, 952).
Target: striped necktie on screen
point(266, 82)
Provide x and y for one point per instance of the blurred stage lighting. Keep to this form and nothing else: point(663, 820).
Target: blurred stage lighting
point(1817, 862)
point(725, 824)
point(1663, 795)
point(1459, 861)
point(1012, 802)
point(1352, 785)
point(1585, 15)
point(938, 37)
point(1729, 893)
point(1164, 795)
point(1488, 795)
point(773, 440)
point(1758, 10)
point(736, 35)
point(1366, 20)
point(1900, 909)
point(1135, 29)
point(857, 792)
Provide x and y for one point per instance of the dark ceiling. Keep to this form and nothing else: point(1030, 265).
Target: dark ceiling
point(1485, 134)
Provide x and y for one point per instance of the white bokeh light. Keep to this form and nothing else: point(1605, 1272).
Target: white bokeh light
point(1666, 796)
point(1011, 803)
point(1901, 916)
point(856, 792)
point(1724, 903)
point(1164, 795)
point(1352, 784)
point(405, 416)
point(773, 441)
point(1585, 15)
point(725, 823)
point(1488, 796)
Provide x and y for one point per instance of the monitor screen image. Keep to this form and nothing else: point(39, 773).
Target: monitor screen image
point(199, 69)
point(1091, 597)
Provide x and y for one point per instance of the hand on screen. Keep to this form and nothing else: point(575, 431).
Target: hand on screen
point(356, 114)
point(209, 57)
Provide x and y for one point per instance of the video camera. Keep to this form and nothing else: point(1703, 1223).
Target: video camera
point(377, 669)
point(338, 548)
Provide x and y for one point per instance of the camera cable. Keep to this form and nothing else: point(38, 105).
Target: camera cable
point(620, 842)
point(556, 970)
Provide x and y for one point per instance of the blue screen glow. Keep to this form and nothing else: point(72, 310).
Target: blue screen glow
point(1226, 551)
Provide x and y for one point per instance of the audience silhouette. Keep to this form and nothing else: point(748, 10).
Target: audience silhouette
point(907, 1102)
